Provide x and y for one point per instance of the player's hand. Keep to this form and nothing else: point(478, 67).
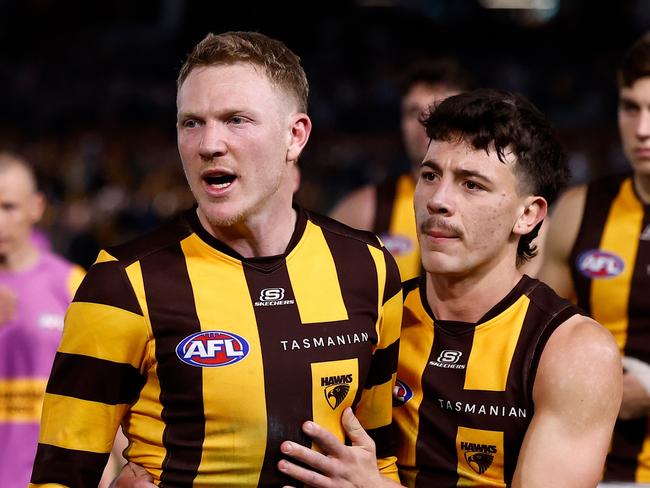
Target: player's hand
point(133, 476)
point(7, 305)
point(636, 402)
point(339, 466)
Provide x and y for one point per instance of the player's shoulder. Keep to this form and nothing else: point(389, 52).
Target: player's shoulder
point(343, 231)
point(167, 234)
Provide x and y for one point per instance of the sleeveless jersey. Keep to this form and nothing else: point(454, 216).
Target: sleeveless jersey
point(463, 398)
point(395, 224)
point(210, 360)
point(610, 265)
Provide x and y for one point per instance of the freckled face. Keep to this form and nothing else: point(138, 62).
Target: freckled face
point(466, 205)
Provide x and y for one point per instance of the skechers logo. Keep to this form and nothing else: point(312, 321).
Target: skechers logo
point(272, 297)
point(479, 457)
point(396, 244)
point(212, 348)
point(597, 264)
point(402, 393)
point(448, 359)
point(336, 389)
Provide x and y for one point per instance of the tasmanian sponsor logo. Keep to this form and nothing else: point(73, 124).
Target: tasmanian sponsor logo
point(336, 388)
point(448, 359)
point(212, 348)
point(597, 264)
point(483, 409)
point(272, 297)
point(479, 457)
point(396, 244)
point(402, 393)
point(324, 341)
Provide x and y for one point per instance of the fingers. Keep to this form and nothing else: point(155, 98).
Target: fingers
point(355, 431)
point(327, 441)
point(310, 478)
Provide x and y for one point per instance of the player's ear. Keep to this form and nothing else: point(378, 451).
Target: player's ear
point(300, 130)
point(531, 213)
point(36, 207)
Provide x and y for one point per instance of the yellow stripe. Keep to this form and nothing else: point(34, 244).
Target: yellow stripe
point(75, 278)
point(495, 338)
point(391, 312)
point(609, 297)
point(369, 415)
point(235, 407)
point(80, 430)
point(47, 485)
point(104, 257)
point(402, 223)
point(134, 273)
point(643, 463)
point(312, 282)
point(21, 400)
point(415, 347)
point(477, 450)
point(324, 408)
point(86, 333)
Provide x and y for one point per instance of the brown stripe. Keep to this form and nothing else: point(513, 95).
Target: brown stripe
point(287, 374)
point(384, 208)
point(435, 451)
point(638, 337)
point(106, 284)
point(384, 364)
point(385, 440)
point(113, 383)
point(600, 196)
point(170, 301)
point(52, 465)
point(393, 279)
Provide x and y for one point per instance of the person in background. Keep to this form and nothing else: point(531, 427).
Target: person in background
point(598, 254)
point(387, 208)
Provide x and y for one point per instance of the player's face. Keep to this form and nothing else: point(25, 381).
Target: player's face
point(236, 140)
point(20, 209)
point(416, 102)
point(634, 124)
point(466, 205)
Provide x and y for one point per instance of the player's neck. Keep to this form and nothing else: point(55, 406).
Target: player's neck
point(468, 298)
point(20, 259)
point(642, 186)
point(260, 235)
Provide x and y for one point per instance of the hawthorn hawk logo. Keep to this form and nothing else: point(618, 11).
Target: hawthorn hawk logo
point(336, 389)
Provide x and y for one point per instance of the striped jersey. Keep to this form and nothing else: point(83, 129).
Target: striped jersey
point(610, 266)
point(463, 398)
point(395, 224)
point(28, 344)
point(210, 360)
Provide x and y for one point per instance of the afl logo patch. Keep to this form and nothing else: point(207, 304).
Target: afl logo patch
point(396, 244)
point(402, 393)
point(597, 264)
point(212, 348)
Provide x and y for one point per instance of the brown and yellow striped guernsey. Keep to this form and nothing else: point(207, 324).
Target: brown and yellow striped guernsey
point(610, 265)
point(395, 224)
point(210, 371)
point(463, 399)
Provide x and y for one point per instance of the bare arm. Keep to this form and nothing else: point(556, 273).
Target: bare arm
point(577, 394)
point(560, 236)
point(357, 209)
point(339, 466)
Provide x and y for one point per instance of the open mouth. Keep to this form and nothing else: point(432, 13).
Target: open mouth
point(219, 181)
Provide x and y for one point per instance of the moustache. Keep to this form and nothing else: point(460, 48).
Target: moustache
point(435, 222)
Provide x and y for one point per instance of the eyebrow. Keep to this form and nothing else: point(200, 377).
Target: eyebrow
point(466, 173)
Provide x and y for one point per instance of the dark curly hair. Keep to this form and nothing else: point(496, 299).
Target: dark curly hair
point(509, 122)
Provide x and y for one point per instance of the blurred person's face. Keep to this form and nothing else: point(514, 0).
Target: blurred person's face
point(415, 103)
point(21, 206)
point(239, 137)
point(634, 124)
point(468, 209)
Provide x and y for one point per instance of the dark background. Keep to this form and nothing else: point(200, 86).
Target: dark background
point(88, 91)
